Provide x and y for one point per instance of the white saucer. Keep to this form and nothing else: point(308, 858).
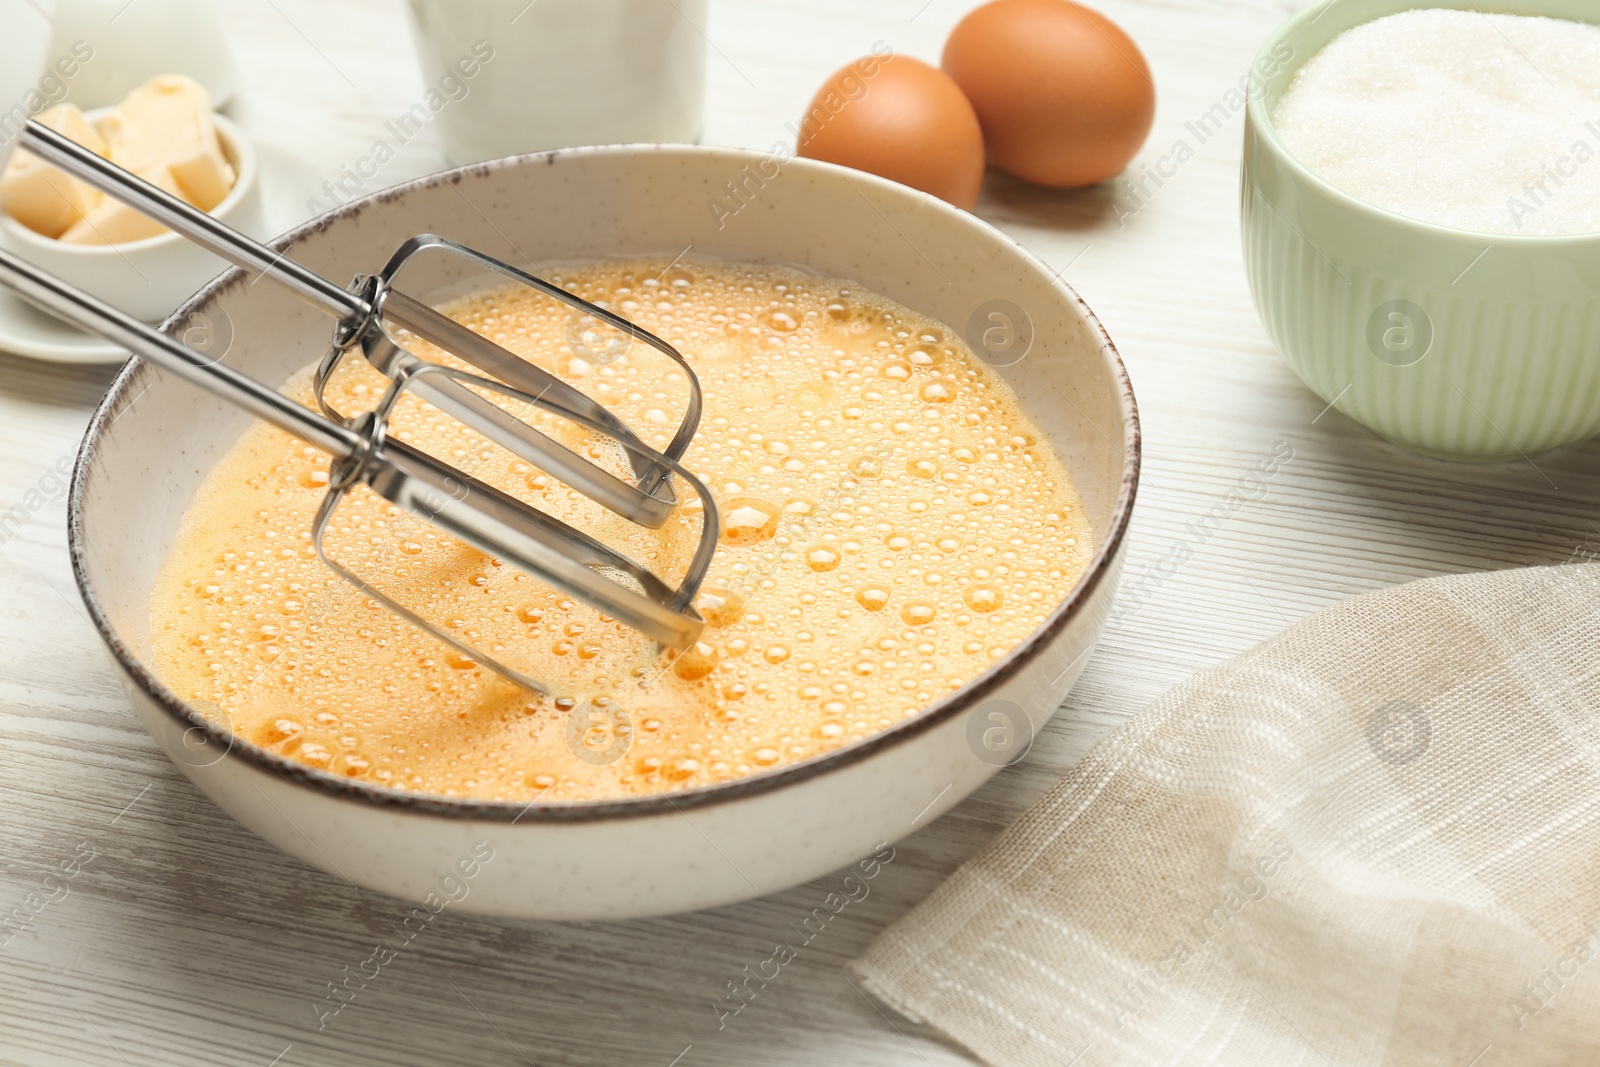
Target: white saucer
point(26, 331)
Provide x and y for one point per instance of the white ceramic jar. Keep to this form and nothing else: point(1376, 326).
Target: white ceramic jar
point(133, 42)
point(558, 73)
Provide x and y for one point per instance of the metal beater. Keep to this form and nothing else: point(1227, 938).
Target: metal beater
point(471, 510)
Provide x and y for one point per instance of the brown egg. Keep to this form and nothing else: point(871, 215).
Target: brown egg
point(899, 118)
point(1064, 96)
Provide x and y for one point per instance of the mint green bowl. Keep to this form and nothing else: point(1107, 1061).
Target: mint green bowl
point(1463, 345)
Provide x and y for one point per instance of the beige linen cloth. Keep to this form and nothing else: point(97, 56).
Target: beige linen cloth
point(1373, 839)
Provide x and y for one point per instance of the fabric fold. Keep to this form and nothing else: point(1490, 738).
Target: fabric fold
point(1371, 840)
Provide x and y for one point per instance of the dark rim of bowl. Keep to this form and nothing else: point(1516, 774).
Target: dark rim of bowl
point(633, 807)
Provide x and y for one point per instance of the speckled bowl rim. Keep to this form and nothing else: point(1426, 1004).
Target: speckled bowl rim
point(505, 811)
point(1256, 113)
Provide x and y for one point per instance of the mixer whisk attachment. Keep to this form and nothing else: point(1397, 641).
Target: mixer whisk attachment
point(647, 500)
point(373, 318)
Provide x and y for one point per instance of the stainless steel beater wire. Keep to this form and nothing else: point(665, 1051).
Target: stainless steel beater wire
point(75, 306)
point(193, 223)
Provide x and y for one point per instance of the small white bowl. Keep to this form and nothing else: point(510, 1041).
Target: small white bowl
point(148, 278)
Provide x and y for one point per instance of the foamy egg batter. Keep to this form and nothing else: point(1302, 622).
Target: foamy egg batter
point(891, 524)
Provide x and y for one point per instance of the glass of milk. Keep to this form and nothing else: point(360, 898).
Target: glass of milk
point(510, 76)
point(127, 44)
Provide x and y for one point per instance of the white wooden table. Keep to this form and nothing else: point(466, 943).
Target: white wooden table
point(185, 940)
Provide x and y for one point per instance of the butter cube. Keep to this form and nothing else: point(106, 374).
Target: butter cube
point(113, 222)
point(166, 122)
point(38, 195)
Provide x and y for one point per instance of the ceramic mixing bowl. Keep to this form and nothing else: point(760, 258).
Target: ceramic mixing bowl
point(1453, 343)
point(154, 438)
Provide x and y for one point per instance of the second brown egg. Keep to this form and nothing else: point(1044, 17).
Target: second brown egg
point(1064, 95)
point(901, 119)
